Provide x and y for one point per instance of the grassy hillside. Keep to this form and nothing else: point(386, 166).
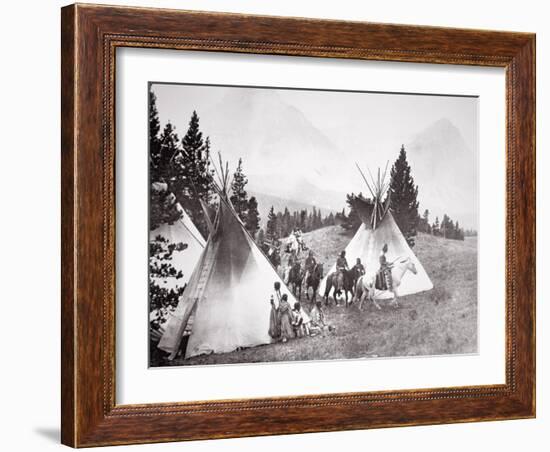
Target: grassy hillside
point(440, 321)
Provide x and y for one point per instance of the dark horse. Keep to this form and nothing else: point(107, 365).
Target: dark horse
point(341, 281)
point(313, 280)
point(295, 279)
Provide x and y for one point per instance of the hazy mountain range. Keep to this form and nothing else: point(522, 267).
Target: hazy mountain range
point(289, 161)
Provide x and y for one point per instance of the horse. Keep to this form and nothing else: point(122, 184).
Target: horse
point(366, 287)
point(295, 246)
point(314, 279)
point(341, 281)
point(295, 278)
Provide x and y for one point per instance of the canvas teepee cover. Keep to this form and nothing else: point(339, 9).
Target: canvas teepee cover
point(181, 231)
point(228, 294)
point(377, 228)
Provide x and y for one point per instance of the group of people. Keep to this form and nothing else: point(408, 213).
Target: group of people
point(384, 275)
point(289, 322)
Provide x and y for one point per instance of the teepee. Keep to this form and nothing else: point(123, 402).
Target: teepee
point(181, 231)
point(377, 228)
point(226, 304)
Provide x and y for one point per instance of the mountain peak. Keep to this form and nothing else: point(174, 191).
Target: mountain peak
point(444, 167)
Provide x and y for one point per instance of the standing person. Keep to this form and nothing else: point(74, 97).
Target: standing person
point(275, 300)
point(385, 268)
point(285, 319)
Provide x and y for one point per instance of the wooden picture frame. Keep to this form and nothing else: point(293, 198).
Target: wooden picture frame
point(90, 35)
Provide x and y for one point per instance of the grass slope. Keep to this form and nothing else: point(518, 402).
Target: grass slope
point(437, 322)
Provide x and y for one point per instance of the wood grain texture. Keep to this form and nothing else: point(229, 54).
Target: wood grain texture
point(90, 36)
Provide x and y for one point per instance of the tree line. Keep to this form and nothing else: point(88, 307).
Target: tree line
point(282, 224)
point(447, 228)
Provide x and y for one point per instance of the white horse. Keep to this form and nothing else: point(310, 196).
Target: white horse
point(293, 246)
point(366, 284)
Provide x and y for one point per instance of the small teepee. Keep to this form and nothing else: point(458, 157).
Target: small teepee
point(226, 304)
point(377, 228)
point(181, 231)
point(183, 260)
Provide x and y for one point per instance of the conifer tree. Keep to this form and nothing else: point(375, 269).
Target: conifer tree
point(239, 197)
point(154, 141)
point(271, 232)
point(260, 239)
point(426, 220)
point(436, 226)
point(352, 220)
point(252, 221)
point(287, 222)
point(444, 228)
point(192, 179)
point(459, 232)
point(404, 192)
point(303, 219)
point(160, 267)
point(168, 149)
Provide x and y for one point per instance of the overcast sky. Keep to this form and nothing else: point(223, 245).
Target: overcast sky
point(371, 120)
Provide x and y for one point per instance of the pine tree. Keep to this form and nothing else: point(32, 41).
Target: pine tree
point(271, 232)
point(404, 192)
point(252, 221)
point(192, 179)
point(239, 197)
point(160, 267)
point(169, 148)
point(286, 222)
point(445, 226)
point(162, 209)
point(154, 142)
point(424, 222)
point(280, 232)
point(303, 219)
point(260, 238)
point(435, 227)
point(352, 221)
point(192, 142)
point(459, 233)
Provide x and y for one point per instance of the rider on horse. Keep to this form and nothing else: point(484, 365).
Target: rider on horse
point(358, 269)
point(310, 264)
point(342, 263)
point(385, 268)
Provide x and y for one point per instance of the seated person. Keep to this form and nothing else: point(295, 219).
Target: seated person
point(318, 324)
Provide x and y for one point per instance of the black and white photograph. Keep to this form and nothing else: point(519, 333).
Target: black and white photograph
point(290, 224)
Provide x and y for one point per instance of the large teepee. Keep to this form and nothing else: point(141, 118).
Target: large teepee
point(227, 302)
point(377, 228)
